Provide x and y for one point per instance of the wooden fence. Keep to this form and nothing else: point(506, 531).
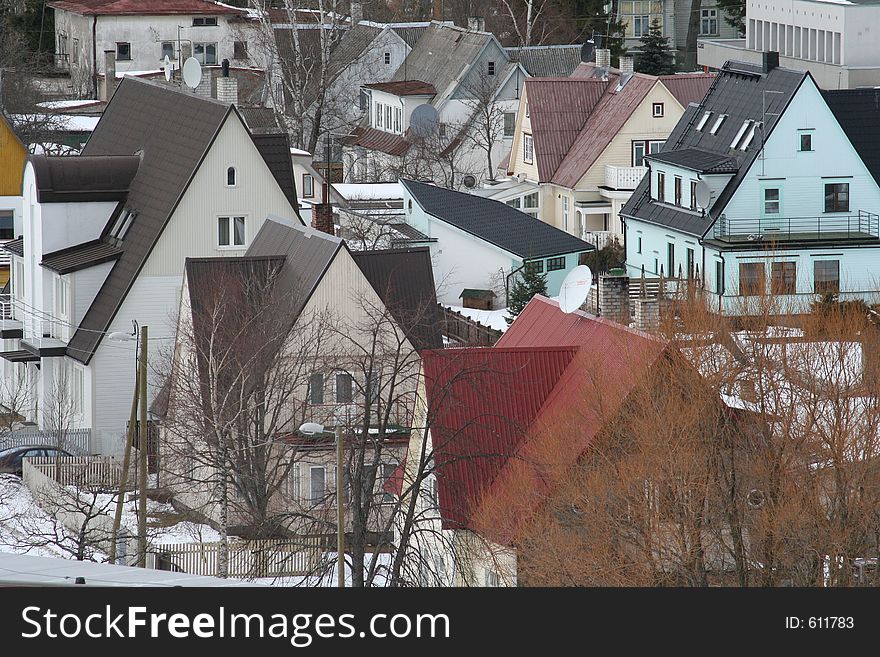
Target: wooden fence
point(259, 558)
point(466, 332)
point(93, 472)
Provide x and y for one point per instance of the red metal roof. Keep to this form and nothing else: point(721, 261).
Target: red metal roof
point(404, 88)
point(144, 7)
point(481, 402)
point(688, 87)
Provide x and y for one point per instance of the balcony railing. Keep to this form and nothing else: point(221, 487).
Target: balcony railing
point(600, 238)
point(864, 225)
point(623, 177)
point(62, 61)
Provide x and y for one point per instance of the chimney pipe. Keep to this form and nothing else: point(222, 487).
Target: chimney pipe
point(603, 57)
point(322, 218)
point(769, 60)
point(357, 12)
point(476, 24)
point(437, 10)
point(109, 74)
point(626, 64)
point(227, 90)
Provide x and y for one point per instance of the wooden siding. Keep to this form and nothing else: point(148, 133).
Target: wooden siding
point(12, 157)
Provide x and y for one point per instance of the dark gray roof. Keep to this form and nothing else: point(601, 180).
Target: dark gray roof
point(410, 34)
point(697, 160)
point(275, 149)
point(259, 119)
point(547, 61)
point(16, 247)
point(857, 111)
point(495, 222)
point(738, 92)
point(81, 256)
point(76, 179)
point(404, 280)
point(348, 49)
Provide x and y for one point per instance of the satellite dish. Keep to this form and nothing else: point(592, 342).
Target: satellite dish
point(424, 121)
point(192, 73)
point(469, 181)
point(575, 288)
point(703, 195)
point(167, 66)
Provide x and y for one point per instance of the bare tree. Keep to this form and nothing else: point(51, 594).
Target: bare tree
point(486, 125)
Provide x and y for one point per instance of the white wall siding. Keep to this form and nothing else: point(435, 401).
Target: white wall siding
point(86, 283)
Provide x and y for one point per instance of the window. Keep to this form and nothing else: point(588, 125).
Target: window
point(388, 117)
point(123, 222)
point(239, 50)
point(756, 125)
point(230, 177)
point(689, 262)
point(387, 58)
point(515, 202)
point(657, 110)
point(387, 471)
point(204, 21)
point(670, 260)
point(18, 280)
point(123, 51)
point(363, 100)
point(783, 277)
point(739, 133)
point(74, 52)
point(62, 292)
point(379, 115)
point(772, 201)
point(806, 142)
point(167, 50)
point(677, 189)
point(555, 264)
point(374, 387)
point(491, 68)
point(719, 277)
point(205, 53)
point(316, 388)
point(317, 483)
point(535, 266)
point(641, 25)
point(528, 148)
point(837, 197)
point(7, 225)
point(230, 231)
point(638, 153)
point(527, 110)
point(308, 185)
point(76, 389)
point(530, 201)
point(661, 186)
point(344, 388)
point(718, 123)
point(397, 114)
point(509, 123)
point(293, 491)
point(703, 120)
point(565, 213)
point(693, 200)
point(492, 578)
point(442, 130)
point(751, 278)
point(639, 247)
point(708, 22)
point(826, 276)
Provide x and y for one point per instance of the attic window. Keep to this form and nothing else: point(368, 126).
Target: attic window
point(491, 68)
point(739, 133)
point(231, 178)
point(717, 124)
point(201, 21)
point(387, 58)
point(748, 140)
point(122, 224)
point(703, 120)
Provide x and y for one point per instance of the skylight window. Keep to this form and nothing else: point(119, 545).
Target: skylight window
point(739, 133)
point(748, 140)
point(122, 224)
point(718, 123)
point(703, 120)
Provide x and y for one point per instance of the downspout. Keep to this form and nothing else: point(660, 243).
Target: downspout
point(95, 56)
point(507, 284)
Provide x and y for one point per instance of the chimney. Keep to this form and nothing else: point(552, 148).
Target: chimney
point(476, 24)
point(357, 12)
point(769, 60)
point(603, 57)
point(437, 10)
point(109, 74)
point(626, 64)
point(227, 90)
point(614, 298)
point(322, 218)
point(587, 52)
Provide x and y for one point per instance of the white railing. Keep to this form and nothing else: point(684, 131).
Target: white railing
point(75, 441)
point(101, 472)
point(262, 558)
point(623, 177)
point(600, 238)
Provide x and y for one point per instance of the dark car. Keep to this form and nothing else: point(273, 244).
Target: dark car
point(10, 458)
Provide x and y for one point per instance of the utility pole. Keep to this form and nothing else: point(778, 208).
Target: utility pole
point(340, 510)
point(126, 465)
point(142, 454)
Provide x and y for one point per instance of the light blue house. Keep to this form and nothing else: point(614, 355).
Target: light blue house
point(788, 176)
point(480, 244)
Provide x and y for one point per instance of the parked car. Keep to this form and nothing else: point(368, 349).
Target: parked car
point(10, 458)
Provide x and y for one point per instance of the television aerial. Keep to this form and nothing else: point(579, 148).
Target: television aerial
point(575, 288)
point(703, 195)
point(424, 121)
point(192, 73)
point(167, 66)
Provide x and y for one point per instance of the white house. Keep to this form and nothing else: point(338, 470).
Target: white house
point(105, 236)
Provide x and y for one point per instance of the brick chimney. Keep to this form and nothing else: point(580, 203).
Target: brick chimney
point(357, 12)
point(614, 298)
point(322, 218)
point(626, 64)
point(603, 57)
point(227, 87)
point(437, 10)
point(109, 74)
point(476, 24)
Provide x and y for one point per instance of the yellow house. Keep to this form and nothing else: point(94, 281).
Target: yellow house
point(579, 143)
point(12, 157)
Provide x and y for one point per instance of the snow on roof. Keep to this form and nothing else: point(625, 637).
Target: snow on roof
point(492, 318)
point(369, 191)
point(298, 151)
point(66, 104)
point(137, 74)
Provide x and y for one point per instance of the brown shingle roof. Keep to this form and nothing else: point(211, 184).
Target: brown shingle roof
point(404, 88)
point(378, 140)
point(81, 256)
point(144, 7)
point(78, 179)
point(688, 87)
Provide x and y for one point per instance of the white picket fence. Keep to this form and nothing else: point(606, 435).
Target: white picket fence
point(258, 558)
point(101, 472)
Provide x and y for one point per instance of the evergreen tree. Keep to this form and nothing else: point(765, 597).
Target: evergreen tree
point(655, 58)
point(530, 283)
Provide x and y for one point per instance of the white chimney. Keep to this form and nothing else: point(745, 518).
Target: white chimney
point(603, 57)
point(227, 90)
point(476, 24)
point(626, 64)
point(357, 12)
point(109, 74)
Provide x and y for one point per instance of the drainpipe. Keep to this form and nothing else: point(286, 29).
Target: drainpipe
point(507, 284)
point(95, 56)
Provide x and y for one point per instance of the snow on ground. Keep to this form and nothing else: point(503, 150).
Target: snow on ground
point(67, 104)
point(368, 191)
point(491, 318)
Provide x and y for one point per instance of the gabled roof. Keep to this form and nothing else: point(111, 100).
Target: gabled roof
point(547, 61)
point(857, 111)
point(145, 7)
point(697, 160)
point(558, 110)
point(83, 178)
point(81, 256)
point(404, 280)
point(275, 149)
point(404, 88)
point(495, 222)
point(172, 151)
point(481, 402)
point(739, 93)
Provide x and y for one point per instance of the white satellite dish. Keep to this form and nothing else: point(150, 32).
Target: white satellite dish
point(192, 73)
point(167, 66)
point(424, 121)
point(703, 195)
point(575, 288)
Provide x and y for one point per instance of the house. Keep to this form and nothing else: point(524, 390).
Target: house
point(12, 158)
point(789, 190)
point(105, 237)
point(478, 243)
point(142, 34)
point(579, 143)
point(474, 78)
point(832, 40)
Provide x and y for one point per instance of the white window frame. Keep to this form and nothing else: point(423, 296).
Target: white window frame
point(123, 59)
point(62, 298)
point(18, 279)
point(565, 212)
point(294, 483)
point(380, 115)
point(397, 117)
point(203, 58)
point(234, 176)
point(231, 217)
point(322, 494)
point(387, 58)
point(171, 56)
point(709, 17)
point(528, 148)
point(308, 190)
point(654, 110)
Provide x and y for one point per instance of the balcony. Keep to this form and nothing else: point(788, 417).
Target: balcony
point(862, 226)
point(45, 337)
point(626, 178)
point(10, 327)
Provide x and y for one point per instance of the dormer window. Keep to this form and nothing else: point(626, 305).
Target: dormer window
point(231, 177)
point(718, 123)
point(703, 120)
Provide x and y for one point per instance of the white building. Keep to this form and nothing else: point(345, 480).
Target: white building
point(104, 239)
